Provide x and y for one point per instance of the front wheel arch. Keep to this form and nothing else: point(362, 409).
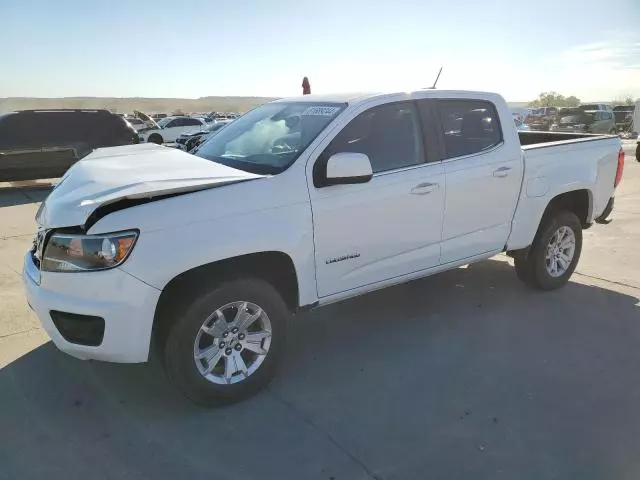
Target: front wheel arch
point(277, 268)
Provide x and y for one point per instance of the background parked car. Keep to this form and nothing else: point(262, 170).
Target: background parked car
point(624, 117)
point(579, 120)
point(521, 126)
point(520, 113)
point(541, 118)
point(595, 106)
point(169, 129)
point(45, 143)
point(188, 141)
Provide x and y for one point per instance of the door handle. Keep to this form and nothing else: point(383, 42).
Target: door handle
point(501, 172)
point(424, 188)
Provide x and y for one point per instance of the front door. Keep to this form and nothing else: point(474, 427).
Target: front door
point(390, 226)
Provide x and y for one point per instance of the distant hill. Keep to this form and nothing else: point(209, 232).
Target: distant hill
point(128, 105)
point(148, 105)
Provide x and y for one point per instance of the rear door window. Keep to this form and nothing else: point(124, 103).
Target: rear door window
point(468, 126)
point(178, 122)
point(190, 122)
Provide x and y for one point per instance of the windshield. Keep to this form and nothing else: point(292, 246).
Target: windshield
point(268, 139)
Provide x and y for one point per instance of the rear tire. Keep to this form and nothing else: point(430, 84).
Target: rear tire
point(550, 250)
point(155, 138)
point(186, 334)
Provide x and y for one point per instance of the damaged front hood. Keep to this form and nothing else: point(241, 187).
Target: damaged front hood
point(131, 172)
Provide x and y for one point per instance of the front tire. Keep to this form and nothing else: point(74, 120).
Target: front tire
point(554, 254)
point(227, 344)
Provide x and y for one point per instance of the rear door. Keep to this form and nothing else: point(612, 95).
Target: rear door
point(173, 129)
point(192, 125)
point(36, 148)
point(63, 138)
point(15, 148)
point(483, 178)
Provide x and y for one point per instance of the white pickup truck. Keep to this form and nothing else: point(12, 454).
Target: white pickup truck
point(299, 203)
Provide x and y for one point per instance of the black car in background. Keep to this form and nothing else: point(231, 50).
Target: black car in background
point(38, 144)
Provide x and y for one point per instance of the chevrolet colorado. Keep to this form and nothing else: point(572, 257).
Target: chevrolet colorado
point(299, 203)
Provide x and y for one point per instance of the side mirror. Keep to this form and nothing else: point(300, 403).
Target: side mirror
point(347, 168)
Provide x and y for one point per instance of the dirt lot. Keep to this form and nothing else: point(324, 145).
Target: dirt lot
point(467, 374)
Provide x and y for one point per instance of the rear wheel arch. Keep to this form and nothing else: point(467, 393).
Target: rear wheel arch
point(276, 268)
point(579, 202)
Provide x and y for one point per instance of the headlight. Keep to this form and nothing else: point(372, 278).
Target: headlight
point(80, 253)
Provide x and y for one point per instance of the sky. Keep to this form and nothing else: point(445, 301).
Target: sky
point(196, 48)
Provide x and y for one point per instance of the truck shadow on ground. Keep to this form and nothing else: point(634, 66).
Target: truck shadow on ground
point(466, 365)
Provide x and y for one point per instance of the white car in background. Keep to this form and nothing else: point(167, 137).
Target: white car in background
point(521, 126)
point(169, 129)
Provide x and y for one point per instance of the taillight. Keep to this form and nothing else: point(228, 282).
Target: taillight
point(616, 182)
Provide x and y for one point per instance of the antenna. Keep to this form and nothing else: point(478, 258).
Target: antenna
point(433, 87)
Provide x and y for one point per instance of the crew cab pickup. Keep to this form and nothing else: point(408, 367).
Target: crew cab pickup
point(299, 203)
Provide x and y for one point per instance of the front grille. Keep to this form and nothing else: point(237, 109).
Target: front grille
point(79, 329)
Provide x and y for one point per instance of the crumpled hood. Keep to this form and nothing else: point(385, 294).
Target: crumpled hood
point(129, 172)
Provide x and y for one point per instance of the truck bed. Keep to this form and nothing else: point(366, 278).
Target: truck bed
point(546, 139)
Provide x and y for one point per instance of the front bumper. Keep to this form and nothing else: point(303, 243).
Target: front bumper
point(126, 304)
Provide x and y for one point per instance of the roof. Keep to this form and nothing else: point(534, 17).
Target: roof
point(355, 98)
point(330, 98)
point(65, 110)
